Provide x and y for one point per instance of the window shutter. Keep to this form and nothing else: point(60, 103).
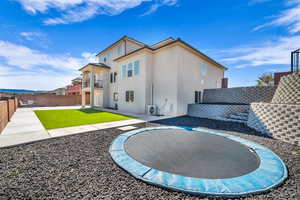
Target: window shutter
point(127, 96)
point(136, 67)
point(124, 71)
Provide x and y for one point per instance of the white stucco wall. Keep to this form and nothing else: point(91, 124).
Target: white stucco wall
point(134, 83)
point(169, 76)
point(165, 73)
point(190, 78)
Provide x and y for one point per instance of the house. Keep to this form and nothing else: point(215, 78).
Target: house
point(130, 75)
point(75, 88)
point(58, 91)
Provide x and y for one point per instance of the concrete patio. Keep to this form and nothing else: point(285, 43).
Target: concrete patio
point(25, 127)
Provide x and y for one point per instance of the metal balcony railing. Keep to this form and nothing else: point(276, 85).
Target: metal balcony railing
point(295, 61)
point(97, 84)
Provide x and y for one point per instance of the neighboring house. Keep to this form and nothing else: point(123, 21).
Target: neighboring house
point(131, 75)
point(75, 88)
point(59, 91)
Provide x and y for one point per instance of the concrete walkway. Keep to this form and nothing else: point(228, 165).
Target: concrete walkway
point(25, 127)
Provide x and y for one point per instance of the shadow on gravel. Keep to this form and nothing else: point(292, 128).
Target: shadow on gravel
point(209, 123)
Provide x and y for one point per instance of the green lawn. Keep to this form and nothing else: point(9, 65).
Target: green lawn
point(52, 119)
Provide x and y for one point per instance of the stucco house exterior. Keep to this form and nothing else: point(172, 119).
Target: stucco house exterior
point(130, 75)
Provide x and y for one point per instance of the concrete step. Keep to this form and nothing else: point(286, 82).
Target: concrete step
point(245, 114)
point(232, 120)
point(238, 117)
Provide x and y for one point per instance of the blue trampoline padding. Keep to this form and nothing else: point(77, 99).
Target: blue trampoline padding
point(270, 173)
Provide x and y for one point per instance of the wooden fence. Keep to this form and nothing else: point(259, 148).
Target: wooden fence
point(50, 100)
point(7, 109)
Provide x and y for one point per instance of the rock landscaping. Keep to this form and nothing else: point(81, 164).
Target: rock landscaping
point(80, 166)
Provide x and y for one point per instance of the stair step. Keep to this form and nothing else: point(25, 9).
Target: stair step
point(238, 117)
point(232, 120)
point(242, 114)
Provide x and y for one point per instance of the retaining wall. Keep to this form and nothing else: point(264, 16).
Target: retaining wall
point(281, 121)
point(288, 91)
point(215, 111)
point(244, 95)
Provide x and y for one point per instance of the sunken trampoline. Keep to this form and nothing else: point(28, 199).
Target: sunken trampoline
point(198, 161)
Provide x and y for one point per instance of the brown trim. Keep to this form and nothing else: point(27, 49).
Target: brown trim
point(170, 43)
point(125, 47)
point(170, 38)
point(96, 65)
point(122, 38)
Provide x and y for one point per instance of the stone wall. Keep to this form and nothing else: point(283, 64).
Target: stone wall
point(288, 91)
point(215, 111)
point(281, 121)
point(244, 95)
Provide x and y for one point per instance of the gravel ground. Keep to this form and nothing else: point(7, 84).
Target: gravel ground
point(80, 167)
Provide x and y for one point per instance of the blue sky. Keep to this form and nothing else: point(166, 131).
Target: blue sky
point(43, 43)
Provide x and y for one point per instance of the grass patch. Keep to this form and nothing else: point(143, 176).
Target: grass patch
point(52, 119)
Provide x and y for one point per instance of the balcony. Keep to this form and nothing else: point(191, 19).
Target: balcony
point(97, 84)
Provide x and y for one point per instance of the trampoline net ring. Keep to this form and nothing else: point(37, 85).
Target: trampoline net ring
point(198, 161)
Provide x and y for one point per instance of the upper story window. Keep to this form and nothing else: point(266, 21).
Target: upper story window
point(113, 77)
point(203, 69)
point(131, 69)
point(106, 58)
point(119, 50)
point(136, 67)
point(124, 71)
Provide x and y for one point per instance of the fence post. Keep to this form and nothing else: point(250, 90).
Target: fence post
point(7, 103)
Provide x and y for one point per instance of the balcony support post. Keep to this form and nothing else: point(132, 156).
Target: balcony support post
point(92, 85)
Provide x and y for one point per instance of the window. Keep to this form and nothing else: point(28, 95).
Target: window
point(115, 76)
point(129, 70)
point(203, 69)
point(136, 68)
point(129, 96)
point(105, 58)
point(111, 78)
point(197, 96)
point(115, 96)
point(124, 71)
point(119, 50)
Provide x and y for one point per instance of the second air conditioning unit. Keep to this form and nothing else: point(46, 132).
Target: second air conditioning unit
point(152, 110)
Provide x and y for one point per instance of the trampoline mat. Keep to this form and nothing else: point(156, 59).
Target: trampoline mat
point(192, 153)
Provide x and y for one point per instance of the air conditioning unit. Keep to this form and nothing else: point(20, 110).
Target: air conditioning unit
point(152, 110)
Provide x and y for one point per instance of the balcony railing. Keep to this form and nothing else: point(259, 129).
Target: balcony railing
point(97, 84)
point(295, 61)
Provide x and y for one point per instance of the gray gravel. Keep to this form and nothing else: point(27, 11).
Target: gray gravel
point(80, 167)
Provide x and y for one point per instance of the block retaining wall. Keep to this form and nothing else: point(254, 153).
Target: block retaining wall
point(281, 121)
point(215, 111)
point(244, 95)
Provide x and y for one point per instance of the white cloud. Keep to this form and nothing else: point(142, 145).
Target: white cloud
point(35, 80)
point(158, 4)
point(289, 18)
point(23, 67)
point(30, 35)
point(276, 52)
point(26, 58)
point(79, 10)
